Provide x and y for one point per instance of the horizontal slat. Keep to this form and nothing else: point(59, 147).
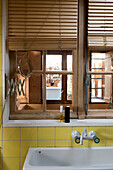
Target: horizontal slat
point(46, 24)
point(19, 43)
point(101, 72)
point(44, 1)
point(51, 6)
point(100, 23)
point(42, 10)
point(55, 13)
point(47, 27)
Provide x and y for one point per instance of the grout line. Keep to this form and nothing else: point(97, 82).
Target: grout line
point(72, 139)
point(2, 146)
point(105, 136)
point(55, 136)
point(37, 136)
point(18, 140)
point(89, 140)
point(20, 151)
point(12, 157)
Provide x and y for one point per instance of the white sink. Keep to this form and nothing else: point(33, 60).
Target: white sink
point(83, 158)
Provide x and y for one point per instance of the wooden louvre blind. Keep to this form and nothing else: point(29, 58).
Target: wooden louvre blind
point(100, 23)
point(42, 24)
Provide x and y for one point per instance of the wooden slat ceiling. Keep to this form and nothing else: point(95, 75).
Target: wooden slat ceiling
point(100, 23)
point(42, 24)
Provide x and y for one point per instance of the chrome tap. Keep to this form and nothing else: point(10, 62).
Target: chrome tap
point(83, 136)
point(79, 139)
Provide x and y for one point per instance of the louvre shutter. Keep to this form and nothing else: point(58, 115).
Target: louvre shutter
point(42, 24)
point(100, 23)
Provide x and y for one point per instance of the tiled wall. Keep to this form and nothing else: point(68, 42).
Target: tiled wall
point(15, 142)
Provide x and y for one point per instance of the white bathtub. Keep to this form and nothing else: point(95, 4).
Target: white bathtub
point(95, 158)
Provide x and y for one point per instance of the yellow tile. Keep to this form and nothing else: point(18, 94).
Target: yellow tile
point(11, 148)
point(22, 163)
point(0, 151)
point(101, 143)
point(0, 132)
point(46, 133)
point(100, 131)
point(0, 61)
point(0, 23)
point(46, 144)
point(0, 143)
point(0, 78)
point(109, 134)
point(0, 118)
point(29, 133)
point(63, 133)
point(63, 143)
point(109, 142)
point(11, 133)
point(25, 145)
point(11, 164)
point(0, 96)
point(85, 144)
point(0, 43)
point(0, 163)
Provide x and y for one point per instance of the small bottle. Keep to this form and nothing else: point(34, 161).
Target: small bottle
point(61, 113)
point(67, 114)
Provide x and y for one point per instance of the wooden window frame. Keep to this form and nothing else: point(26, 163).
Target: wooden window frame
point(64, 54)
point(98, 110)
point(90, 79)
point(44, 114)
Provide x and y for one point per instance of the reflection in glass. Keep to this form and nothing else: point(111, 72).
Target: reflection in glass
point(53, 87)
point(69, 62)
point(53, 62)
point(69, 87)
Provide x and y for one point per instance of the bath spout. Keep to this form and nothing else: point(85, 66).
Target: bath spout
point(83, 135)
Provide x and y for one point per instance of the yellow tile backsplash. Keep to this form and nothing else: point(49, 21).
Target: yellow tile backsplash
point(101, 143)
point(11, 149)
point(0, 96)
point(45, 133)
point(11, 133)
point(109, 132)
point(16, 141)
point(29, 133)
point(25, 145)
point(100, 132)
point(46, 143)
point(0, 60)
point(11, 164)
point(22, 163)
point(64, 143)
point(63, 132)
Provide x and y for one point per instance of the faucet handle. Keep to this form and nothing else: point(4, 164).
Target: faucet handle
point(92, 134)
point(96, 139)
point(75, 134)
point(77, 139)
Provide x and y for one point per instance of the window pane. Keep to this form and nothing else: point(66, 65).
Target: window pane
point(69, 87)
point(53, 87)
point(32, 100)
point(101, 88)
point(69, 62)
point(34, 56)
point(98, 62)
point(53, 62)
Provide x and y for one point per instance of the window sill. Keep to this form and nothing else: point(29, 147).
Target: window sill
point(49, 123)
